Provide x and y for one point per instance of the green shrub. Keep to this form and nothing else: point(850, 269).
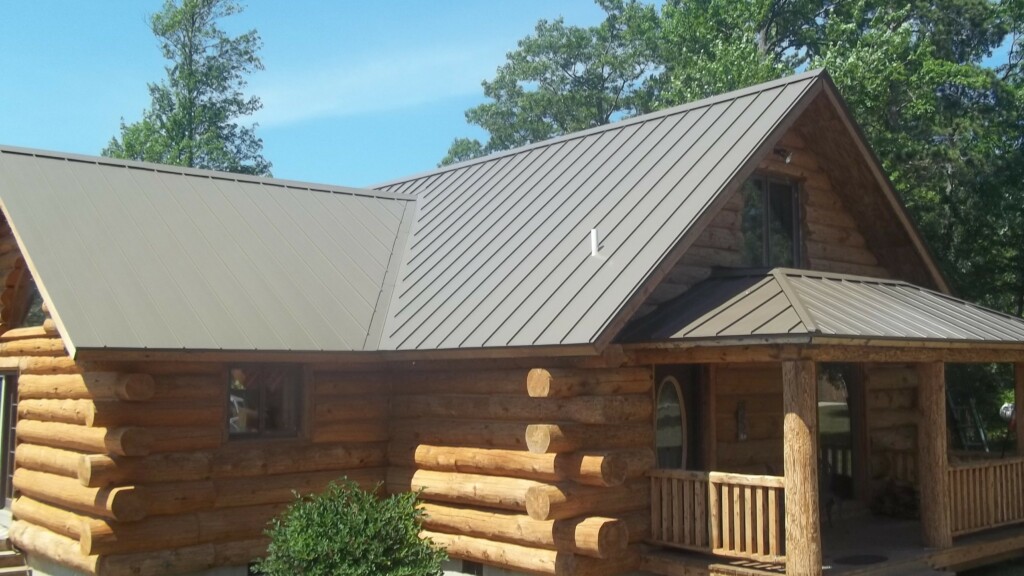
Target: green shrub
point(347, 531)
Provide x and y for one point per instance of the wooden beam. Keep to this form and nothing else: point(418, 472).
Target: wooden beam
point(1018, 405)
point(820, 350)
point(800, 458)
point(709, 412)
point(932, 457)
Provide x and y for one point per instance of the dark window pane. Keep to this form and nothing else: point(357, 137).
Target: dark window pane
point(669, 427)
point(780, 224)
point(264, 400)
point(752, 224)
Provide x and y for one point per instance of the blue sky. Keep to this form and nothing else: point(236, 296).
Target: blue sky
point(354, 92)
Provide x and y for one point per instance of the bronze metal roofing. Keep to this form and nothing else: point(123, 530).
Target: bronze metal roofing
point(499, 254)
point(786, 302)
point(144, 256)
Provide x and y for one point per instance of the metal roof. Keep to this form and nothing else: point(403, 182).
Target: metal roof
point(491, 253)
point(785, 302)
point(499, 254)
point(143, 256)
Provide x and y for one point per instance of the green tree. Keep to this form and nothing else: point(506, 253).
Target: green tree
point(567, 78)
point(193, 118)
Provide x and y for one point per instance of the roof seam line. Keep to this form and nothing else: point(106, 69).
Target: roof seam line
point(794, 299)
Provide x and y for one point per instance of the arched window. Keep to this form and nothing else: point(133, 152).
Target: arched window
point(670, 425)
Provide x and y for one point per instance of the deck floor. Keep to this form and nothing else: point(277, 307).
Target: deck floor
point(860, 546)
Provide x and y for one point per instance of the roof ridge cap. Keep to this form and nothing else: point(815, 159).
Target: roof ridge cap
point(200, 173)
point(782, 277)
point(655, 115)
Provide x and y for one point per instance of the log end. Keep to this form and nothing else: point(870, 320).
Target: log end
point(539, 500)
point(538, 383)
point(136, 387)
point(538, 438)
point(126, 504)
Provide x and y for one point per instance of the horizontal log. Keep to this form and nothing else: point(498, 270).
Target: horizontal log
point(510, 382)
point(177, 561)
point(595, 469)
point(232, 461)
point(469, 433)
point(33, 347)
point(122, 503)
point(351, 431)
point(583, 409)
point(160, 533)
point(47, 365)
point(187, 439)
point(562, 383)
point(116, 413)
point(119, 441)
point(99, 470)
point(531, 560)
point(458, 488)
point(571, 437)
point(626, 563)
point(190, 387)
point(269, 460)
point(163, 532)
point(91, 385)
point(53, 518)
point(24, 333)
point(350, 385)
point(48, 410)
point(347, 409)
point(560, 501)
point(172, 498)
point(40, 542)
point(282, 488)
point(46, 459)
point(593, 536)
point(240, 553)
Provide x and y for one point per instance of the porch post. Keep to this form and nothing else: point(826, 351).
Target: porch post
point(800, 460)
point(1018, 405)
point(932, 457)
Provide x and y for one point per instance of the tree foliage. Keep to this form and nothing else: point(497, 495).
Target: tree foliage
point(346, 531)
point(193, 119)
point(567, 78)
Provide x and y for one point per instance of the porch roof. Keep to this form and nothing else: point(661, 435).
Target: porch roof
point(786, 302)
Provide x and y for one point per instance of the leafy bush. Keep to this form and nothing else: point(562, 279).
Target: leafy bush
point(347, 531)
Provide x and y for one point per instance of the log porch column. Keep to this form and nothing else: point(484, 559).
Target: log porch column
point(800, 459)
point(932, 457)
point(1018, 403)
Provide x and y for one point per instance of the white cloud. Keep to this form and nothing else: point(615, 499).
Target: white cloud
point(359, 86)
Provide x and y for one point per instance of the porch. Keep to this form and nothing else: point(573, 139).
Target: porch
point(971, 509)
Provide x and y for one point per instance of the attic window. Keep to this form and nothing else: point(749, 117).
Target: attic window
point(770, 222)
point(264, 401)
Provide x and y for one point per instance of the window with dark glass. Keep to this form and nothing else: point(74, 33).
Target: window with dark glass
point(670, 426)
point(264, 401)
point(770, 222)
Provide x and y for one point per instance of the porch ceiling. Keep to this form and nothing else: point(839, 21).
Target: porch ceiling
point(780, 304)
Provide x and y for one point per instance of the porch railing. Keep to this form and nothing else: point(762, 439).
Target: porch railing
point(733, 515)
point(679, 509)
point(986, 494)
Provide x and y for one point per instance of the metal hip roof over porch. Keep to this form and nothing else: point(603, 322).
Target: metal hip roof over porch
point(783, 303)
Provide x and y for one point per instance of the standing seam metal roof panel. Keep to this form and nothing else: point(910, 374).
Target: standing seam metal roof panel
point(138, 256)
point(499, 254)
point(838, 305)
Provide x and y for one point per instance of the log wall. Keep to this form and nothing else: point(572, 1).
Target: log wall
point(892, 416)
point(531, 471)
point(832, 237)
point(127, 467)
point(757, 390)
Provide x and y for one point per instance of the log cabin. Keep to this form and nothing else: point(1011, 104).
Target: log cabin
point(707, 340)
